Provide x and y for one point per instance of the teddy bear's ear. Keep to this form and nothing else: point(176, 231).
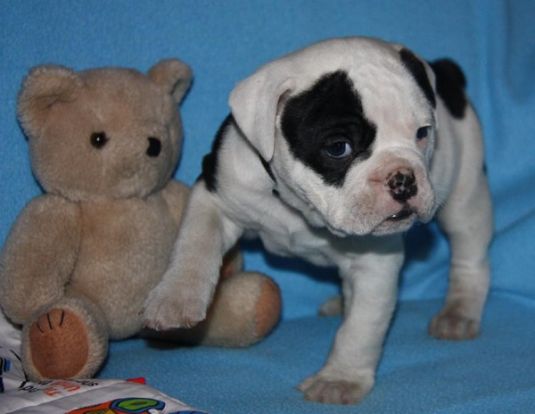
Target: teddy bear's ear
point(173, 75)
point(44, 87)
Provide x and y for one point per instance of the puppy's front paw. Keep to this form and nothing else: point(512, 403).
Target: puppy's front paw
point(169, 306)
point(323, 389)
point(451, 325)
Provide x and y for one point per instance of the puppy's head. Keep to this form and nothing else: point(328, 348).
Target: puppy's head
point(348, 127)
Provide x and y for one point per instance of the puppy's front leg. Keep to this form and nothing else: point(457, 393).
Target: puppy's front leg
point(370, 287)
point(182, 297)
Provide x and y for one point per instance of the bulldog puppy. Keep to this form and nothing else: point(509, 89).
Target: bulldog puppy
point(330, 154)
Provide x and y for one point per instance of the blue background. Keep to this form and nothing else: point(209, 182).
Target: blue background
point(494, 42)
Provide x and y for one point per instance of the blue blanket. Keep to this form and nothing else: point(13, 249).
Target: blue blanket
point(417, 374)
point(494, 42)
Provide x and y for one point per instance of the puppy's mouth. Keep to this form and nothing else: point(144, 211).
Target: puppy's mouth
point(403, 214)
point(398, 222)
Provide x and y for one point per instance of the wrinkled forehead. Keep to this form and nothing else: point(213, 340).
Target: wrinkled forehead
point(392, 83)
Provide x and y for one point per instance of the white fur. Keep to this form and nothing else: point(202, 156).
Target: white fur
point(345, 226)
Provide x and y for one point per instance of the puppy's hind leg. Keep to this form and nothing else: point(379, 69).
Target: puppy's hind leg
point(467, 220)
point(332, 306)
point(183, 296)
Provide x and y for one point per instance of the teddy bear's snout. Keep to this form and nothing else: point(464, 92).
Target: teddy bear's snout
point(155, 147)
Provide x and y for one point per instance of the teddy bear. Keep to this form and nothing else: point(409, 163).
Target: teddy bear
point(81, 259)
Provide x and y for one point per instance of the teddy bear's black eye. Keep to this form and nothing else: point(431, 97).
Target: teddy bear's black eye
point(154, 148)
point(99, 139)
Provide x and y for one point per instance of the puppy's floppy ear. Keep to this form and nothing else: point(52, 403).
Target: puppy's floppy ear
point(255, 102)
point(173, 75)
point(422, 73)
point(44, 87)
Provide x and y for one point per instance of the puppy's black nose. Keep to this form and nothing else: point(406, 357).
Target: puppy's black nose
point(155, 147)
point(402, 185)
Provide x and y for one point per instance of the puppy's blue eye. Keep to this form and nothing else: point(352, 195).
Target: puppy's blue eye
point(423, 132)
point(338, 149)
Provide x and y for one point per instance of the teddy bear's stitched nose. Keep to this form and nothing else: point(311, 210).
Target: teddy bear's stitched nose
point(155, 146)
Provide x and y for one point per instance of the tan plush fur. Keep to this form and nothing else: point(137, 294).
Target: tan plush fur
point(81, 259)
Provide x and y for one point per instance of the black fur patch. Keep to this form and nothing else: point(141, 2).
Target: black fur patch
point(210, 160)
point(330, 110)
point(450, 86)
point(417, 70)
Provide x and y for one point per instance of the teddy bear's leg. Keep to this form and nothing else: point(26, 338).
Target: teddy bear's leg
point(246, 307)
point(68, 339)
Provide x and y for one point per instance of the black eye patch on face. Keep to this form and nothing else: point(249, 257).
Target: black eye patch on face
point(326, 129)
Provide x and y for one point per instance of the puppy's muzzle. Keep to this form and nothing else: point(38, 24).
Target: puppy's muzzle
point(402, 185)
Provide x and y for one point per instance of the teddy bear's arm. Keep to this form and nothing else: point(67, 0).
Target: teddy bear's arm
point(39, 256)
point(176, 196)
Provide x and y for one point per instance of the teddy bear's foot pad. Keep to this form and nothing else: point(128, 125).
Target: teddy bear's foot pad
point(59, 344)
